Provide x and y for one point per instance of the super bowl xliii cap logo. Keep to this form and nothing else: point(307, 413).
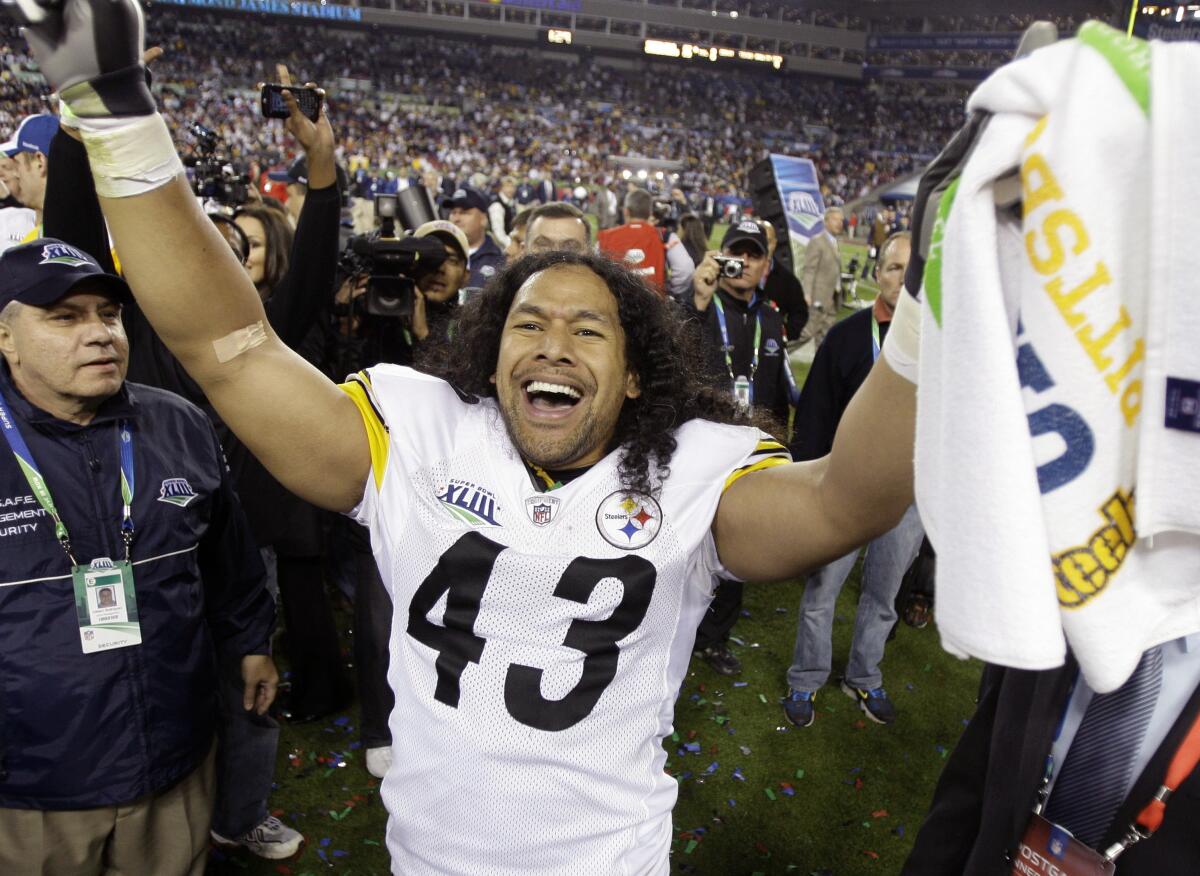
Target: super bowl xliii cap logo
point(61, 254)
point(629, 520)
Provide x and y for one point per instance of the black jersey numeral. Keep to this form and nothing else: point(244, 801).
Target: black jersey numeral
point(596, 639)
point(462, 574)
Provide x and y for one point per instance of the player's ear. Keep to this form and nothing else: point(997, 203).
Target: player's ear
point(492, 379)
point(633, 386)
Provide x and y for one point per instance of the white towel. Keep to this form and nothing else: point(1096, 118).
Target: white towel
point(1168, 473)
point(1030, 400)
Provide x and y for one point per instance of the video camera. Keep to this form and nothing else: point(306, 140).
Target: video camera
point(394, 265)
point(213, 178)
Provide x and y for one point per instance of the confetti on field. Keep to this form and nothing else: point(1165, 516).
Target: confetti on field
point(737, 774)
point(879, 813)
point(874, 856)
point(800, 774)
point(691, 847)
point(770, 794)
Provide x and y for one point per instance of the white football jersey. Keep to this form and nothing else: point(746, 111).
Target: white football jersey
point(539, 639)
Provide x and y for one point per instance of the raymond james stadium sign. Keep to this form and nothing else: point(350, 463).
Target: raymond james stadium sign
point(330, 12)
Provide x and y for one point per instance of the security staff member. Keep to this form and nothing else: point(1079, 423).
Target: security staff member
point(110, 708)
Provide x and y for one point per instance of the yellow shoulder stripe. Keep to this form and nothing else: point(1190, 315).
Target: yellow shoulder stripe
point(760, 465)
point(768, 444)
point(377, 431)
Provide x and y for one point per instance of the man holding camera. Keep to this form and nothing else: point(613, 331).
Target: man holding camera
point(435, 297)
point(743, 335)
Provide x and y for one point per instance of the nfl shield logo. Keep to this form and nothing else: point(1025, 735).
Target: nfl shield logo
point(541, 509)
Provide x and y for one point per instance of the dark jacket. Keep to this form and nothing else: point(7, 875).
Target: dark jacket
point(785, 291)
point(771, 380)
point(485, 263)
point(990, 784)
point(83, 730)
point(842, 363)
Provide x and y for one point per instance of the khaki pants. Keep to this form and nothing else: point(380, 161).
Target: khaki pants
point(164, 834)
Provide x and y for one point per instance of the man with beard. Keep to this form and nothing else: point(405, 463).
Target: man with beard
point(550, 512)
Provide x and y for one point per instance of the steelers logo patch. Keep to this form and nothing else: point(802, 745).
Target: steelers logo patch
point(629, 521)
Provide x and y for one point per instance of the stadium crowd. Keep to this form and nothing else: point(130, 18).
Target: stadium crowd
point(613, 356)
point(431, 103)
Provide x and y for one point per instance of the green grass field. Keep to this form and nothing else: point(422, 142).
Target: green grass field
point(840, 798)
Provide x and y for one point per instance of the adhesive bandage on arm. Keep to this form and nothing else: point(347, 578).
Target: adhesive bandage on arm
point(239, 341)
point(129, 155)
point(902, 346)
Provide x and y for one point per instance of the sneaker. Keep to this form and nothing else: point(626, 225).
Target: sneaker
point(799, 707)
point(379, 760)
point(721, 659)
point(875, 702)
point(272, 840)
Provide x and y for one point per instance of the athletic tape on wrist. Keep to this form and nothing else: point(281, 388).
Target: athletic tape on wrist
point(902, 346)
point(129, 155)
point(239, 341)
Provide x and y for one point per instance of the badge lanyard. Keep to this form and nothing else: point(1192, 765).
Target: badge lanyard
point(875, 345)
point(1150, 818)
point(41, 490)
point(726, 346)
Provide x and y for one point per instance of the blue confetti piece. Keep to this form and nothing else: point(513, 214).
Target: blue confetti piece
point(342, 721)
point(856, 771)
point(732, 802)
point(355, 746)
point(693, 747)
point(338, 853)
point(695, 698)
point(740, 683)
point(900, 830)
point(325, 841)
point(712, 768)
point(686, 775)
point(737, 774)
point(321, 855)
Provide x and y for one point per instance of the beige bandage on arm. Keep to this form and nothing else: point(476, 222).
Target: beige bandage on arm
point(902, 346)
point(239, 341)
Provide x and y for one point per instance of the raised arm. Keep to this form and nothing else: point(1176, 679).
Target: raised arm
point(186, 279)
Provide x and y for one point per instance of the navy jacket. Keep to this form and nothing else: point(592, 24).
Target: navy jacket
point(485, 263)
point(840, 367)
point(83, 730)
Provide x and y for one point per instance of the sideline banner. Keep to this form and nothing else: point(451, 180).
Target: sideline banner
point(799, 191)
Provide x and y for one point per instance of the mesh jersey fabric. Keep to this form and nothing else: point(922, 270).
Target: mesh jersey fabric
point(538, 639)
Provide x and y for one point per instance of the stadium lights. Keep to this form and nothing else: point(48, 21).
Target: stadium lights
point(658, 175)
point(561, 37)
point(642, 174)
point(625, 174)
point(687, 51)
point(733, 14)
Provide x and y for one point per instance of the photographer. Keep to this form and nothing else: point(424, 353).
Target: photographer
point(436, 295)
point(742, 334)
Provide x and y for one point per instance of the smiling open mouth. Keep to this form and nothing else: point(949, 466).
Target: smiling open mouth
point(545, 396)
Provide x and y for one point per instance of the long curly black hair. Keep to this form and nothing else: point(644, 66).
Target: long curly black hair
point(661, 349)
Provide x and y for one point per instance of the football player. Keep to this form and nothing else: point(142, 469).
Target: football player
point(549, 515)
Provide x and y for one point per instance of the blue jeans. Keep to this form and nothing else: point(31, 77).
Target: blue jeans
point(888, 557)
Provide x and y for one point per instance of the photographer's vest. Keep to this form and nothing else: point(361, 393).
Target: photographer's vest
point(639, 246)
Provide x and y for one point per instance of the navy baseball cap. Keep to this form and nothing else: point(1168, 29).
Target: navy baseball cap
point(42, 271)
point(32, 135)
point(466, 198)
point(746, 230)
